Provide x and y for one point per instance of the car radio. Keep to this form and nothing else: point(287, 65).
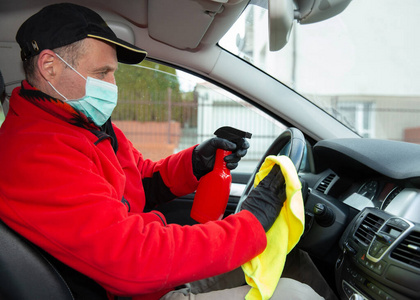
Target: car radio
point(387, 235)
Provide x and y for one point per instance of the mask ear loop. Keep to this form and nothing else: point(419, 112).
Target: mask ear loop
point(57, 91)
point(68, 65)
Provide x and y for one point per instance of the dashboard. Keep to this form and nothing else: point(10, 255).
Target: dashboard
point(397, 199)
point(365, 194)
point(378, 194)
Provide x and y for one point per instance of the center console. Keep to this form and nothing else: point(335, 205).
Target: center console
point(380, 258)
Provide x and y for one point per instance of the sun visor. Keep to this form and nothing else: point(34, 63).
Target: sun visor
point(280, 22)
point(282, 14)
point(312, 11)
point(122, 31)
point(182, 23)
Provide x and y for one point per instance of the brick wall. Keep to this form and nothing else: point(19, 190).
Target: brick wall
point(155, 140)
point(412, 135)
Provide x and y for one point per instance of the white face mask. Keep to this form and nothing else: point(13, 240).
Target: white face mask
point(99, 101)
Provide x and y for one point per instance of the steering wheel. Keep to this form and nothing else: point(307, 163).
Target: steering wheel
point(292, 136)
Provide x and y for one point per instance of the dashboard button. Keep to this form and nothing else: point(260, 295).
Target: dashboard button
point(404, 225)
point(380, 267)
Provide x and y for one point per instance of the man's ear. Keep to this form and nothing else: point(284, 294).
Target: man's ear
point(49, 65)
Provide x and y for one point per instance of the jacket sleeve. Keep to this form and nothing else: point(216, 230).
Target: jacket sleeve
point(163, 180)
point(61, 199)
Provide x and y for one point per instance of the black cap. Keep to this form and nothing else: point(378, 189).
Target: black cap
point(59, 25)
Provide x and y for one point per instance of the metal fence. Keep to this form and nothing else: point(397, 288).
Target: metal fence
point(177, 125)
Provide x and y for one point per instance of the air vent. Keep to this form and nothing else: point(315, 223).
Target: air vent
point(367, 228)
point(408, 251)
point(325, 183)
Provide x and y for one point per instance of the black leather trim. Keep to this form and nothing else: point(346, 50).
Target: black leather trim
point(25, 272)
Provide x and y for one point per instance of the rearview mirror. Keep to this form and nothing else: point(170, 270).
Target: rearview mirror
point(282, 13)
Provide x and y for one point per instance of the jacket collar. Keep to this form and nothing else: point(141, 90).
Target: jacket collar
point(61, 110)
point(55, 107)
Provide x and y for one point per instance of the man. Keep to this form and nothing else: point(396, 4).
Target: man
point(77, 188)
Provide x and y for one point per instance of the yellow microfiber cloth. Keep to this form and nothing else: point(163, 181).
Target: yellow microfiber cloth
point(263, 272)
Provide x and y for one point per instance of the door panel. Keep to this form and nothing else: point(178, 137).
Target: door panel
point(178, 210)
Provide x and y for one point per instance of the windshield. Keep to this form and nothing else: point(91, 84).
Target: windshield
point(361, 66)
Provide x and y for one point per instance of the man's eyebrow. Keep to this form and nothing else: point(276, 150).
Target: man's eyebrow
point(105, 68)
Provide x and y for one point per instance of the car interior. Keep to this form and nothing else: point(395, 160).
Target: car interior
point(361, 190)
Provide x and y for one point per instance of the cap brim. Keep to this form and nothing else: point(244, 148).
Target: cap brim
point(126, 52)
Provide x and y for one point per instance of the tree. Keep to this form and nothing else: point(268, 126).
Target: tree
point(143, 93)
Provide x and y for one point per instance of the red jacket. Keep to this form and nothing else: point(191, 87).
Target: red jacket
point(63, 187)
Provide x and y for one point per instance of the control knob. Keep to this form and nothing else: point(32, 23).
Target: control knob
point(324, 215)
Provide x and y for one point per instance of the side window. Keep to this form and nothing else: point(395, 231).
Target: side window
point(1, 115)
point(163, 110)
point(2, 111)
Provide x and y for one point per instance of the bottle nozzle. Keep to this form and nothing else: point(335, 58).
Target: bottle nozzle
point(232, 134)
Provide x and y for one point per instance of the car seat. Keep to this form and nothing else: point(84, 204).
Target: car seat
point(25, 271)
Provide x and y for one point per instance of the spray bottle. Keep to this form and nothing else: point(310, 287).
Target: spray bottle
point(213, 189)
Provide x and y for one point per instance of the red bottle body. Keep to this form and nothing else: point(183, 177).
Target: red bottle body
point(213, 191)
